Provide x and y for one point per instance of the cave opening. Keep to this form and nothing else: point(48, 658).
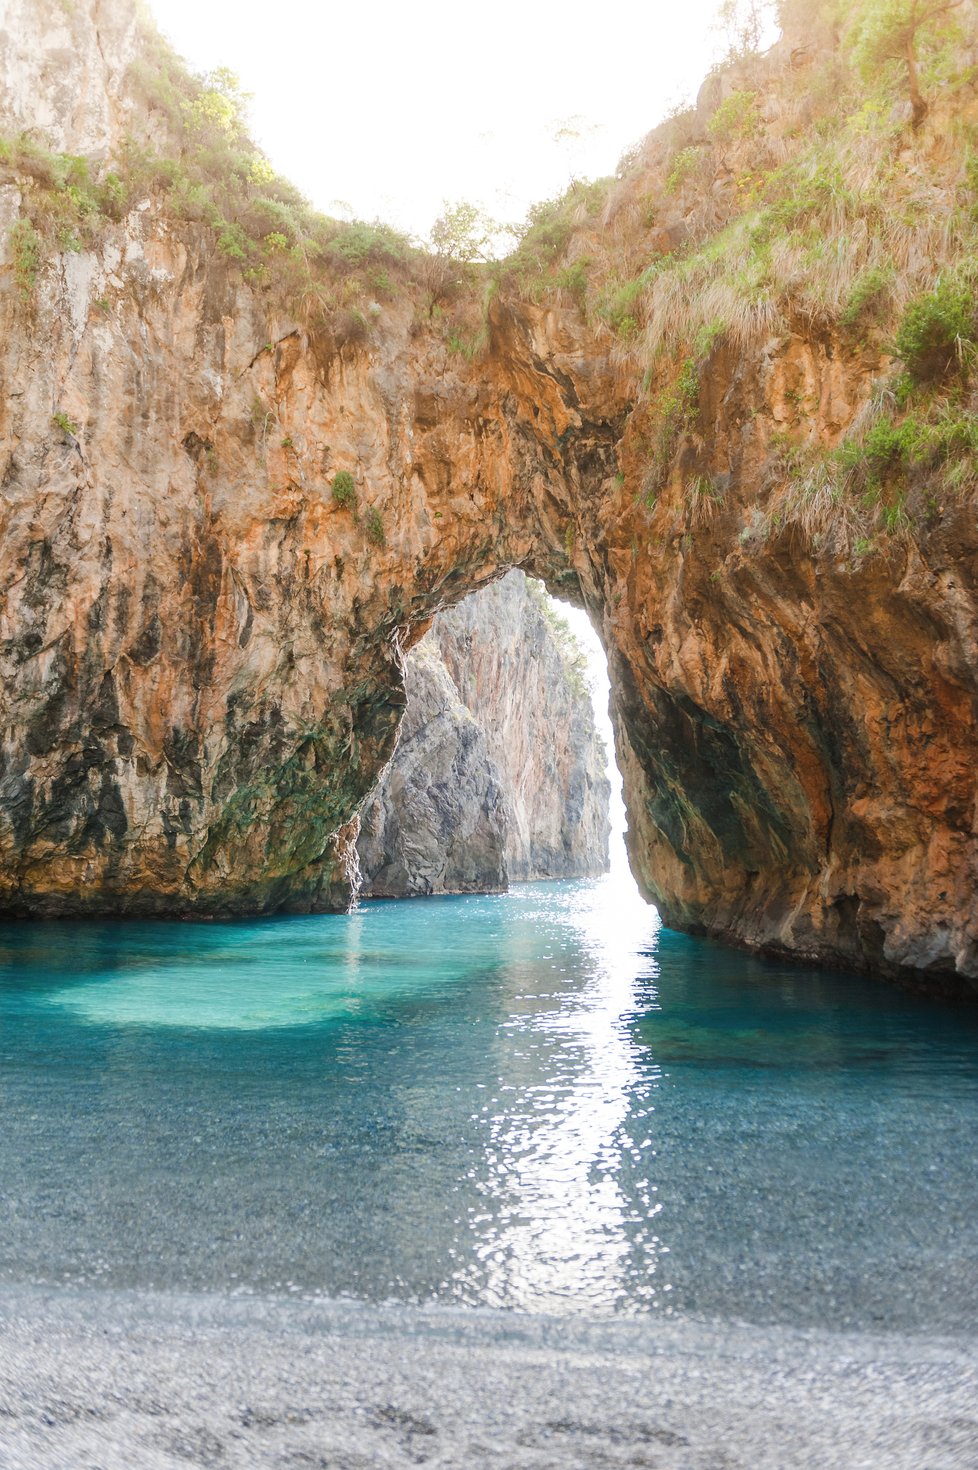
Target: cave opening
point(504, 769)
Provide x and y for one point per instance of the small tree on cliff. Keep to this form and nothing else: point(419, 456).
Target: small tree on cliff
point(893, 30)
point(459, 237)
point(743, 24)
point(220, 106)
point(462, 233)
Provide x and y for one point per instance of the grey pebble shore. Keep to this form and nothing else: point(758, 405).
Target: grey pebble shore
point(112, 1380)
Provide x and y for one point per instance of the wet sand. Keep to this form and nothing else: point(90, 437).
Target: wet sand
point(137, 1381)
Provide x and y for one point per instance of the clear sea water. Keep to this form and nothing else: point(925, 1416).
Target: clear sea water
point(540, 1101)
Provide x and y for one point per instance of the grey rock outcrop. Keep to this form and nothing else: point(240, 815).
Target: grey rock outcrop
point(63, 73)
point(499, 772)
point(516, 664)
point(437, 821)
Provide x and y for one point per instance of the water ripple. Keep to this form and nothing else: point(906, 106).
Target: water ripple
point(539, 1101)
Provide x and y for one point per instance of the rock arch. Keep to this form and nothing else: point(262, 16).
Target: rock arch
point(200, 638)
point(202, 642)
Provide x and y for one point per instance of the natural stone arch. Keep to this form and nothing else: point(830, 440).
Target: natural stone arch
point(205, 664)
point(200, 644)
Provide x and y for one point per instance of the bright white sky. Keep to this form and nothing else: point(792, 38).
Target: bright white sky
point(392, 109)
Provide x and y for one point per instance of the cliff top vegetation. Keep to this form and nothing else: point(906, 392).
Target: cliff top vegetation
point(831, 187)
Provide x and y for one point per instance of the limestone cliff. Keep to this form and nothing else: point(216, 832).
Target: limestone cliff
point(437, 821)
point(726, 402)
point(499, 773)
point(518, 669)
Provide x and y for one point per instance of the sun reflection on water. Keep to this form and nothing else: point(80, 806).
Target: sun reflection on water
point(564, 1223)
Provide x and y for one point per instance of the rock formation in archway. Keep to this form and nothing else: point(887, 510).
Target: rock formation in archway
point(499, 773)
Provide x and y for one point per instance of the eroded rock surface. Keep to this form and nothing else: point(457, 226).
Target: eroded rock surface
point(201, 648)
point(64, 75)
point(499, 773)
point(519, 670)
point(437, 823)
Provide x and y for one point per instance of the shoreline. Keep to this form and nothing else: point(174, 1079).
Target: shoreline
point(158, 1380)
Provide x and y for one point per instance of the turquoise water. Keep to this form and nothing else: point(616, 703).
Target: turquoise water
point(539, 1101)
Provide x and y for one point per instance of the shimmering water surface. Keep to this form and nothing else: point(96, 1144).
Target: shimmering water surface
point(539, 1101)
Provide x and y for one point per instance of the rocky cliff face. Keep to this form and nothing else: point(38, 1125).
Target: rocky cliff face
point(687, 417)
point(499, 772)
point(64, 75)
point(437, 821)
point(517, 667)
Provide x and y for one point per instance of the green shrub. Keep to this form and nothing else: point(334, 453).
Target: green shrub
point(867, 295)
point(707, 337)
point(866, 460)
point(933, 329)
point(895, 517)
point(895, 463)
point(219, 104)
point(676, 410)
point(619, 306)
point(573, 278)
point(344, 489)
point(683, 165)
point(211, 174)
point(544, 237)
point(65, 424)
point(113, 196)
point(357, 243)
point(887, 442)
point(25, 245)
point(374, 527)
point(736, 117)
point(68, 241)
point(813, 188)
point(676, 407)
point(381, 282)
point(66, 207)
point(233, 242)
point(468, 344)
point(462, 233)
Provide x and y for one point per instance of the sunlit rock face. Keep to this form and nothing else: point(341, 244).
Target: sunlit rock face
point(63, 72)
point(437, 823)
point(499, 773)
point(518, 669)
point(202, 650)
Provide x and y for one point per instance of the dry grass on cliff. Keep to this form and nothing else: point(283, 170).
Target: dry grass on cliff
point(897, 469)
point(804, 196)
point(804, 203)
point(190, 151)
point(862, 204)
